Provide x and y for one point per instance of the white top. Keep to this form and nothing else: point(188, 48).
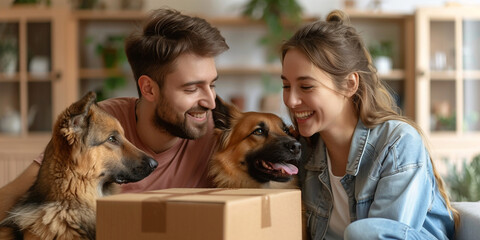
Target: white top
point(340, 217)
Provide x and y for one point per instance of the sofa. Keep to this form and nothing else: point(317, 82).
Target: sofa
point(469, 220)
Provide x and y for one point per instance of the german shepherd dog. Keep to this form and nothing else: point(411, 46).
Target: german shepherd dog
point(254, 150)
point(86, 158)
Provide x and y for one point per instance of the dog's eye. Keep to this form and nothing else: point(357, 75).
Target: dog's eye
point(259, 131)
point(112, 139)
point(287, 131)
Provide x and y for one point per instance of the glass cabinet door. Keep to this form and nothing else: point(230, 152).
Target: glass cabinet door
point(454, 57)
point(471, 75)
point(25, 74)
point(39, 87)
point(442, 82)
point(10, 121)
point(447, 84)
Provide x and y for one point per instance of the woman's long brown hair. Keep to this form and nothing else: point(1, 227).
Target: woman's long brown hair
point(335, 47)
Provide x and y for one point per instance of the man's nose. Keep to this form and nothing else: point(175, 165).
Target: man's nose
point(208, 98)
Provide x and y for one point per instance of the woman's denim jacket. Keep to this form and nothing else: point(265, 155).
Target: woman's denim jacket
point(388, 175)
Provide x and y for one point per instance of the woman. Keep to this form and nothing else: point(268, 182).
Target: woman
point(366, 172)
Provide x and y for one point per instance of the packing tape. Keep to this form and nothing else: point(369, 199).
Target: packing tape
point(154, 209)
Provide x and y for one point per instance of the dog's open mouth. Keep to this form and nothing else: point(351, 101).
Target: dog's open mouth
point(281, 169)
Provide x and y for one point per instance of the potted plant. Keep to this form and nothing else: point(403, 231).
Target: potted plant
point(112, 53)
point(280, 17)
point(382, 53)
point(84, 4)
point(31, 2)
point(464, 184)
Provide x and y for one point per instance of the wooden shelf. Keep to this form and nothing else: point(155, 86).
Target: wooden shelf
point(443, 75)
point(9, 77)
point(121, 15)
point(240, 21)
point(101, 73)
point(471, 74)
point(450, 75)
point(395, 74)
point(11, 142)
point(31, 77)
point(375, 14)
point(104, 73)
point(270, 69)
point(41, 77)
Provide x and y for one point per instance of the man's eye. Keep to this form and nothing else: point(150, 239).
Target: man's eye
point(306, 87)
point(191, 90)
point(286, 87)
point(258, 131)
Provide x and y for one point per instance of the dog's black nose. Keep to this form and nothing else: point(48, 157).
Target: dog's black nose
point(293, 147)
point(151, 162)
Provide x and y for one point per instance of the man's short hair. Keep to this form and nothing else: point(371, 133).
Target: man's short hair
point(167, 34)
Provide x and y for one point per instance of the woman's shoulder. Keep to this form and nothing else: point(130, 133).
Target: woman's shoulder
point(402, 141)
point(395, 129)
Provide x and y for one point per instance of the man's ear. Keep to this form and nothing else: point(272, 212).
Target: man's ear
point(148, 87)
point(352, 83)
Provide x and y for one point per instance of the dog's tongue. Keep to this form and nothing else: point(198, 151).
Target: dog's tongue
point(288, 168)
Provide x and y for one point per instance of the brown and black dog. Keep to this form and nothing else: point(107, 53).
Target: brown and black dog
point(86, 158)
point(254, 150)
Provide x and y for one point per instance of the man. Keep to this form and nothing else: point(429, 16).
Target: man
point(172, 60)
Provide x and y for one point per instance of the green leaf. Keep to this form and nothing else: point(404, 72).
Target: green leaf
point(274, 13)
point(464, 184)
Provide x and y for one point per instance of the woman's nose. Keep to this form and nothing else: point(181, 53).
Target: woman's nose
point(291, 99)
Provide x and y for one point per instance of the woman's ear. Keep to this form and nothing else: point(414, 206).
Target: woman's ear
point(352, 83)
point(148, 87)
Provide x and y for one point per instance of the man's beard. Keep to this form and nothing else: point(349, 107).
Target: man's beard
point(178, 127)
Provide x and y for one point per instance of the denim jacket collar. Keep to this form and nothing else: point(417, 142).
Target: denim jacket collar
point(318, 159)
point(358, 144)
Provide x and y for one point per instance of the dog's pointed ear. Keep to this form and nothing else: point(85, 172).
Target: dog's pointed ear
point(76, 117)
point(223, 114)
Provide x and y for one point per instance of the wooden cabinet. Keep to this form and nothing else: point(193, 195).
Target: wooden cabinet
point(32, 83)
point(448, 80)
point(398, 31)
point(99, 54)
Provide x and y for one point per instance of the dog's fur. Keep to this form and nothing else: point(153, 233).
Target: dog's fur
point(85, 159)
point(254, 150)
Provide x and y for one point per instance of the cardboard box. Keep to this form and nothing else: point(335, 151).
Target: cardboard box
point(200, 213)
